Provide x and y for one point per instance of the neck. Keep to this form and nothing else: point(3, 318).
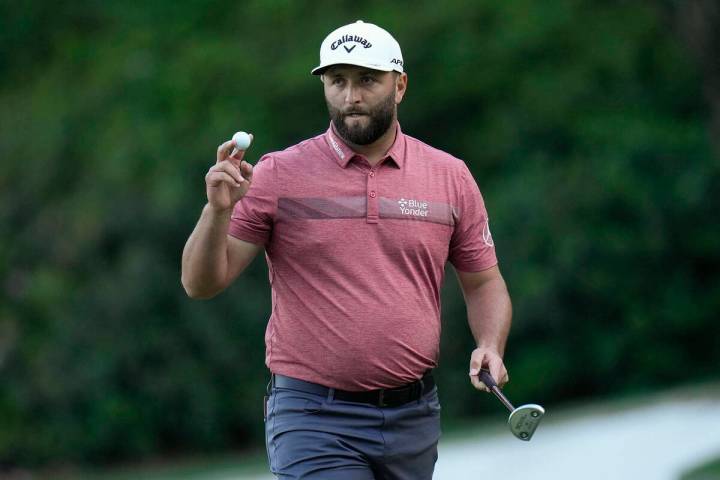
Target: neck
point(376, 151)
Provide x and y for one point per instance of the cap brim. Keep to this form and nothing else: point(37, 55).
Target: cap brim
point(319, 70)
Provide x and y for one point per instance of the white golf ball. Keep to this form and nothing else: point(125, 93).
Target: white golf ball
point(242, 140)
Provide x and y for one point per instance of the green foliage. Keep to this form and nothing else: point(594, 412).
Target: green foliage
point(583, 122)
point(708, 471)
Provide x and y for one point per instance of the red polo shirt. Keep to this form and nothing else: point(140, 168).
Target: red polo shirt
point(356, 256)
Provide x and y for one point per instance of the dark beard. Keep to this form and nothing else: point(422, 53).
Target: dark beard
point(381, 118)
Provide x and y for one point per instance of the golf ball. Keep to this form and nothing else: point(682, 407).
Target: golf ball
point(242, 140)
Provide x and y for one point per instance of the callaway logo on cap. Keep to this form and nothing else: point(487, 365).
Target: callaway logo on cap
point(362, 44)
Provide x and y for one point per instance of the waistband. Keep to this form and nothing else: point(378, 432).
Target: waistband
point(384, 397)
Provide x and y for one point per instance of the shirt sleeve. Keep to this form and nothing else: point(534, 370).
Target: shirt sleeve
point(254, 214)
point(471, 246)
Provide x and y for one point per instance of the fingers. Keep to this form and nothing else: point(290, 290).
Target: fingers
point(215, 179)
point(246, 169)
point(475, 380)
point(490, 360)
point(225, 172)
point(237, 153)
point(477, 361)
point(498, 371)
point(229, 151)
point(224, 150)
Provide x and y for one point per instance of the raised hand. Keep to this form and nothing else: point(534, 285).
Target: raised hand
point(229, 179)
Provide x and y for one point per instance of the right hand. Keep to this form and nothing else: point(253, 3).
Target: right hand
point(489, 359)
point(229, 179)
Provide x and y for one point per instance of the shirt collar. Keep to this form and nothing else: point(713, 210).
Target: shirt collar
point(343, 154)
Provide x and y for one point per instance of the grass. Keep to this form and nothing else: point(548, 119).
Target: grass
point(458, 429)
point(249, 464)
point(196, 468)
point(708, 471)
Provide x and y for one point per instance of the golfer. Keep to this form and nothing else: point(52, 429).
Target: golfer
point(357, 225)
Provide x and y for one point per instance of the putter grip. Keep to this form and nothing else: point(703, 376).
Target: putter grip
point(487, 379)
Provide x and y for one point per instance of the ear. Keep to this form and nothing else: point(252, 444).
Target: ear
point(401, 82)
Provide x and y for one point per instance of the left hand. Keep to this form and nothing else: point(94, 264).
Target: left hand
point(490, 359)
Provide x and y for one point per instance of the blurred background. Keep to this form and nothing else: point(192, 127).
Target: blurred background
point(591, 127)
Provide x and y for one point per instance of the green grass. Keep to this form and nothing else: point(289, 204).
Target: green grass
point(196, 468)
point(708, 471)
point(254, 463)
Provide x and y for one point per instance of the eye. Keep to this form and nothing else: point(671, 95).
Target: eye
point(367, 79)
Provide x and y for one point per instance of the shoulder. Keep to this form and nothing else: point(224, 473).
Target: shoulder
point(439, 158)
point(294, 154)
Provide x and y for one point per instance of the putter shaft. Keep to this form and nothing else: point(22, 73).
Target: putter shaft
point(496, 391)
point(489, 381)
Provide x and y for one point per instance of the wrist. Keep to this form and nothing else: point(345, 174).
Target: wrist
point(489, 349)
point(218, 213)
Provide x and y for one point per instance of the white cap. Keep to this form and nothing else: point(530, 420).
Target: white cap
point(362, 44)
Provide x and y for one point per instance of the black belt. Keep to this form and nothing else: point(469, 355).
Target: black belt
point(385, 397)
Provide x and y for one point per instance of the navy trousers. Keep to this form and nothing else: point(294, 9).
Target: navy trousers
point(310, 436)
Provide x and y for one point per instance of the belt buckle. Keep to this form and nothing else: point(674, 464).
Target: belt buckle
point(381, 398)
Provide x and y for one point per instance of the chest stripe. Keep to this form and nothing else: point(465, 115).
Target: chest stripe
point(313, 208)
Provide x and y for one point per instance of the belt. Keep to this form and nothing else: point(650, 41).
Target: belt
point(384, 397)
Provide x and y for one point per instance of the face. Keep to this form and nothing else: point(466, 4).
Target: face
point(362, 103)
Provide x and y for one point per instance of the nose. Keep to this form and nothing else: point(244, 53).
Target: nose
point(352, 94)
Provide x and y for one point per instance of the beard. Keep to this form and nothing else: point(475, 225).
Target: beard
point(380, 118)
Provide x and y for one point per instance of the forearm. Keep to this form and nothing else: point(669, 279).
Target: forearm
point(489, 313)
point(205, 257)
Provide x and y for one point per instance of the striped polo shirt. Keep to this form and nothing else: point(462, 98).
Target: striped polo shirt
point(356, 256)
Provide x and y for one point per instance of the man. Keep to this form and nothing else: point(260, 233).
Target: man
point(357, 225)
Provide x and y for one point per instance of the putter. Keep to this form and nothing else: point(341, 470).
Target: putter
point(524, 419)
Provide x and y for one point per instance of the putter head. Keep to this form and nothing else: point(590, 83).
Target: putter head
point(524, 420)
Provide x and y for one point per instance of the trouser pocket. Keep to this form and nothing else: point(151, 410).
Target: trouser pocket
point(269, 418)
point(289, 413)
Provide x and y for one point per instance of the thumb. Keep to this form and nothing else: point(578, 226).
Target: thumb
point(237, 153)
